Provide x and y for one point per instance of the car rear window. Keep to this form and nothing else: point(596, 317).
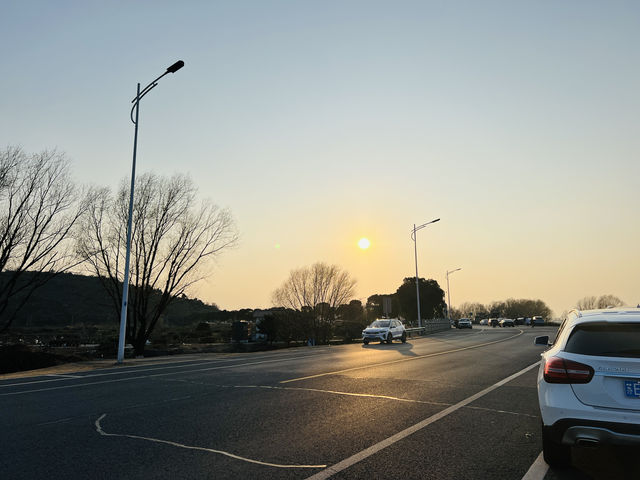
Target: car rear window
point(380, 323)
point(605, 339)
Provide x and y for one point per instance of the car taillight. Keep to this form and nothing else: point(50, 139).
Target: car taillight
point(561, 370)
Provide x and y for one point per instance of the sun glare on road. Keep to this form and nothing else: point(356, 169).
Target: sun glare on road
point(364, 243)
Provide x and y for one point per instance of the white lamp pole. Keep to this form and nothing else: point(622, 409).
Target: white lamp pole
point(415, 251)
point(125, 284)
point(448, 297)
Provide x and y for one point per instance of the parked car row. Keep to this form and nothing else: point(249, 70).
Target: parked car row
point(508, 322)
point(494, 322)
point(388, 329)
point(491, 322)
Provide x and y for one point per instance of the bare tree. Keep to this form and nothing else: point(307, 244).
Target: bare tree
point(604, 301)
point(609, 301)
point(173, 240)
point(587, 303)
point(473, 309)
point(319, 289)
point(38, 208)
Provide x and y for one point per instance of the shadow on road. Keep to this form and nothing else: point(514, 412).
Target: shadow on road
point(402, 348)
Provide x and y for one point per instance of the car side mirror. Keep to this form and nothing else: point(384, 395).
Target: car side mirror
point(542, 340)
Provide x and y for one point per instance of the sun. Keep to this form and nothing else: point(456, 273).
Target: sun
point(364, 243)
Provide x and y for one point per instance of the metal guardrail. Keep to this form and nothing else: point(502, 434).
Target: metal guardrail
point(430, 326)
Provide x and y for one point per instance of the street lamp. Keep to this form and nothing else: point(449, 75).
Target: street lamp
point(448, 297)
point(415, 251)
point(125, 284)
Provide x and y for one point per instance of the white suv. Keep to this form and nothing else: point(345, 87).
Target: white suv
point(384, 330)
point(465, 323)
point(589, 383)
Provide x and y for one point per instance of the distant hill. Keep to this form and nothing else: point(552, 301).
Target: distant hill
point(70, 299)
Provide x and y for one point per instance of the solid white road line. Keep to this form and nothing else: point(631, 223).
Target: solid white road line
point(189, 447)
point(87, 374)
point(155, 375)
point(220, 367)
point(538, 469)
point(333, 392)
point(352, 394)
point(358, 457)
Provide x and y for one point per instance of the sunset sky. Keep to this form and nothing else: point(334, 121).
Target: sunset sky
point(319, 123)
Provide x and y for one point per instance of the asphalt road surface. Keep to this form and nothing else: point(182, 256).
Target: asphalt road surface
point(460, 404)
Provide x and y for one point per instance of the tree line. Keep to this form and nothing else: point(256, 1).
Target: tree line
point(49, 225)
point(523, 308)
point(603, 301)
point(510, 308)
point(314, 305)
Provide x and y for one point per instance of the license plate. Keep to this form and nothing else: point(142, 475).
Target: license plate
point(632, 389)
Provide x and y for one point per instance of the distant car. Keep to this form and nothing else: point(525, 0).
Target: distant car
point(494, 322)
point(484, 321)
point(506, 322)
point(537, 321)
point(589, 383)
point(464, 323)
point(519, 321)
point(384, 330)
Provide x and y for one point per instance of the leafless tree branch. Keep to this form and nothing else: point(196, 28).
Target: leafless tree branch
point(39, 205)
point(173, 238)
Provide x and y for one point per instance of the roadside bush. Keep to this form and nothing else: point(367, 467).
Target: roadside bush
point(211, 339)
point(203, 328)
point(16, 358)
point(108, 346)
point(349, 331)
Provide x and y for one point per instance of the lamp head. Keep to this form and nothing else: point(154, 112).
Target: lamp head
point(175, 67)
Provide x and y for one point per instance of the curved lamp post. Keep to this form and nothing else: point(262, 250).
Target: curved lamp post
point(125, 284)
point(415, 251)
point(448, 297)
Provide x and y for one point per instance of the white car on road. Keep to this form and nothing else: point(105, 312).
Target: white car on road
point(589, 383)
point(384, 330)
point(465, 323)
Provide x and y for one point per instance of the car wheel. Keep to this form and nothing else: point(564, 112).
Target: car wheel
point(554, 453)
point(404, 337)
point(365, 341)
point(389, 338)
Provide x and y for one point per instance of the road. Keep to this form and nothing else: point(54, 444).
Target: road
point(460, 404)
